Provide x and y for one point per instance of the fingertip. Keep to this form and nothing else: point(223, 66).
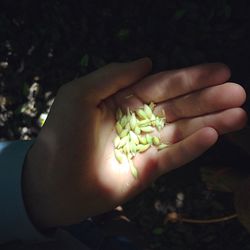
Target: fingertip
point(209, 136)
point(233, 93)
point(240, 93)
point(221, 71)
point(240, 118)
point(217, 71)
point(225, 70)
point(145, 61)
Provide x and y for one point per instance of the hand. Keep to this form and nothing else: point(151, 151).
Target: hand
point(71, 172)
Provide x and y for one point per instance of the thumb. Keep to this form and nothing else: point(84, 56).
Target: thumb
point(109, 79)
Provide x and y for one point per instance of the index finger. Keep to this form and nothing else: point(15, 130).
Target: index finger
point(170, 84)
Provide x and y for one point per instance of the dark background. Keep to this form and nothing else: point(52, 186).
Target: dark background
point(53, 42)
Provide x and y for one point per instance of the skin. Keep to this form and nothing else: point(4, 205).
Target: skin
point(71, 172)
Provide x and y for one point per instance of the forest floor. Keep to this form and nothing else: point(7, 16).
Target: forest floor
point(44, 44)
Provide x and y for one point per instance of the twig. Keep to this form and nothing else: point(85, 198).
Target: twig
point(175, 217)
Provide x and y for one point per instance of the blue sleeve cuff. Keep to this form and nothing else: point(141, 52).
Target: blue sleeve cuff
point(15, 223)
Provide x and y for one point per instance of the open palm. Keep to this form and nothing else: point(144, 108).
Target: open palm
point(86, 178)
point(198, 105)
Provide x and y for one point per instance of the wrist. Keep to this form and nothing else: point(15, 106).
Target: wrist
point(46, 192)
point(36, 197)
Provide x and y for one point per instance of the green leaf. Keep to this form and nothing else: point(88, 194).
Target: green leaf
point(158, 231)
point(123, 34)
point(84, 61)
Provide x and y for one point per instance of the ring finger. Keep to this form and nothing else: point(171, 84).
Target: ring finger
point(223, 122)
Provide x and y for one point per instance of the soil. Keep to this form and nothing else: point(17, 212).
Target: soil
point(44, 44)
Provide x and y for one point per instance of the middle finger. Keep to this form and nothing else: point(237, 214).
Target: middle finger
point(209, 100)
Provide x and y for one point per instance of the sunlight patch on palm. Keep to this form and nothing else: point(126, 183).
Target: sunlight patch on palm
point(134, 133)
